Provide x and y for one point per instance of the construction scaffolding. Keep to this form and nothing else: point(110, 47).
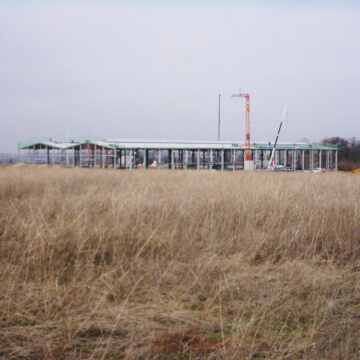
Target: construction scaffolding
point(132, 154)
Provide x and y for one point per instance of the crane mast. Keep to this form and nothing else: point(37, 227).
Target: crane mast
point(247, 142)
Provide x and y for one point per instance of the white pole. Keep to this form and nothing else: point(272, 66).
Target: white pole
point(277, 137)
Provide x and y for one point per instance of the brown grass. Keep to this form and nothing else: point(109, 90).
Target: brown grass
point(178, 265)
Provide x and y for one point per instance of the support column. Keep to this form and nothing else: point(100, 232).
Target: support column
point(103, 155)
point(320, 155)
point(159, 158)
point(233, 159)
point(303, 160)
point(172, 160)
point(95, 162)
point(114, 159)
point(327, 160)
point(130, 159)
point(80, 157)
point(222, 159)
point(211, 159)
point(336, 160)
point(186, 158)
point(198, 159)
point(145, 158)
point(276, 156)
point(169, 159)
point(279, 157)
point(331, 160)
point(264, 158)
point(47, 156)
point(294, 160)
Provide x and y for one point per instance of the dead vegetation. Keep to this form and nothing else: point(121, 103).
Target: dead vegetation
point(100, 264)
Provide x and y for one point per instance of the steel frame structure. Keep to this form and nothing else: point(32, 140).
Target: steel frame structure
point(127, 154)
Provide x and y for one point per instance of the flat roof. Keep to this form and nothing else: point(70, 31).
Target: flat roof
point(172, 144)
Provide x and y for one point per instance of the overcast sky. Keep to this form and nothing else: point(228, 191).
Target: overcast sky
point(155, 69)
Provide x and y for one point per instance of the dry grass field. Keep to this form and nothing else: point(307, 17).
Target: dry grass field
point(104, 264)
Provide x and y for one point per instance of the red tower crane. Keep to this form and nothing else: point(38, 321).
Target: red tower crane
point(247, 97)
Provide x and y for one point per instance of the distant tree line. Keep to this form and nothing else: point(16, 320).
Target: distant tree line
point(349, 152)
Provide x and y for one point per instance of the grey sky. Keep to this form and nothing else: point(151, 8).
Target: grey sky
point(154, 70)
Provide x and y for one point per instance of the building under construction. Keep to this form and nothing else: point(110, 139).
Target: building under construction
point(197, 155)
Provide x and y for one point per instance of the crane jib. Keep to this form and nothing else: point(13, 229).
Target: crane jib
point(277, 137)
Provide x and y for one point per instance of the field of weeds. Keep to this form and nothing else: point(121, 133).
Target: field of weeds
point(104, 264)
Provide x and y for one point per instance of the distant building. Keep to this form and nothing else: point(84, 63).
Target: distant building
point(220, 155)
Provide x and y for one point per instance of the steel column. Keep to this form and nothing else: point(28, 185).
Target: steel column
point(294, 160)
point(222, 159)
point(277, 155)
point(95, 156)
point(47, 156)
point(331, 160)
point(311, 160)
point(327, 160)
point(336, 160)
point(303, 160)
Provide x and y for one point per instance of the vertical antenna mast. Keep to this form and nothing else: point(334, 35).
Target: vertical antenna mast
point(219, 119)
point(67, 139)
point(67, 129)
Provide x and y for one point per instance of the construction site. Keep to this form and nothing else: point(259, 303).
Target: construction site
point(218, 155)
point(126, 154)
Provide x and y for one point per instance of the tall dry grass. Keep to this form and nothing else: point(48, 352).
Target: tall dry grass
point(101, 264)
